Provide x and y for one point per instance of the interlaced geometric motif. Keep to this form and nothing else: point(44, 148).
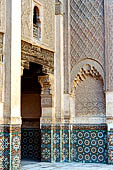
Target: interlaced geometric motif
point(80, 143)
point(45, 145)
point(4, 150)
point(65, 145)
point(56, 145)
point(10, 139)
point(15, 148)
point(87, 30)
point(31, 144)
point(110, 146)
point(89, 98)
point(89, 146)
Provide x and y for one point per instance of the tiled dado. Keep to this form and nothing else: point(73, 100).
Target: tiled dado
point(89, 146)
point(110, 147)
point(46, 143)
point(10, 137)
point(78, 143)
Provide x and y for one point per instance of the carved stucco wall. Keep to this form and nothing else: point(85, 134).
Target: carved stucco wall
point(89, 98)
point(86, 30)
point(47, 16)
point(87, 47)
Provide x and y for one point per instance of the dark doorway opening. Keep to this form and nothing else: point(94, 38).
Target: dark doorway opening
point(31, 113)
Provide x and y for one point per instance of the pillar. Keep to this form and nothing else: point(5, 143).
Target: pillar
point(60, 98)
point(10, 116)
point(108, 6)
point(59, 63)
point(47, 117)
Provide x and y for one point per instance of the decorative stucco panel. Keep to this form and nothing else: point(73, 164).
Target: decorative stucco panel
point(86, 30)
point(89, 98)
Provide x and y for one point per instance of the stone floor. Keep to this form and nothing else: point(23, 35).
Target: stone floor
point(64, 166)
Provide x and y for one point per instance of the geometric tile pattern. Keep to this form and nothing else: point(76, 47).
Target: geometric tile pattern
point(4, 150)
point(15, 147)
point(46, 144)
point(31, 144)
point(76, 144)
point(110, 147)
point(86, 30)
point(10, 156)
point(56, 145)
point(65, 142)
point(89, 146)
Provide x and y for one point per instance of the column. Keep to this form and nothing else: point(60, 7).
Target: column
point(108, 6)
point(59, 82)
point(10, 124)
point(48, 116)
point(58, 63)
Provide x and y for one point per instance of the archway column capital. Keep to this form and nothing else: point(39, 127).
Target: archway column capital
point(46, 83)
point(47, 98)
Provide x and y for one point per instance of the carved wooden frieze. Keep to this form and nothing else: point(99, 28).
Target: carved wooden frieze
point(35, 54)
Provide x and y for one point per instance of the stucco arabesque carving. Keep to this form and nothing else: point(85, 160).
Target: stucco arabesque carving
point(83, 73)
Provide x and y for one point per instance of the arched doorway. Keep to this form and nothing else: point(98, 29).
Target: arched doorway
point(31, 113)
